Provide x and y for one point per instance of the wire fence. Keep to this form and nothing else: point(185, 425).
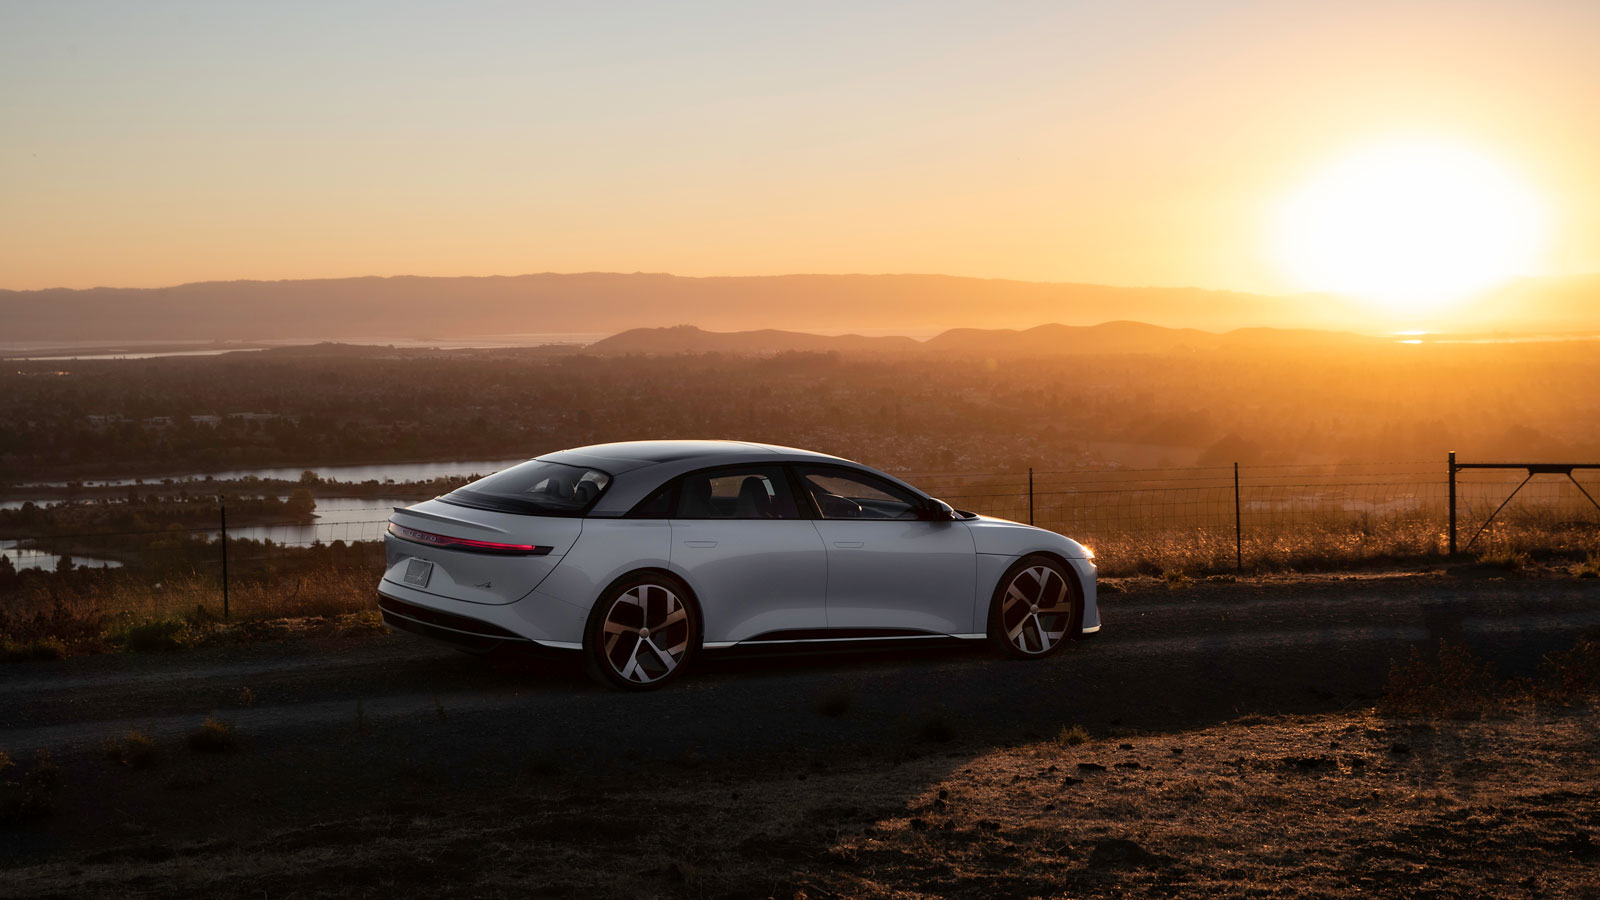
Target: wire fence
point(1195, 520)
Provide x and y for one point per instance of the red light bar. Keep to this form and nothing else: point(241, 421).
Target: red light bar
point(445, 542)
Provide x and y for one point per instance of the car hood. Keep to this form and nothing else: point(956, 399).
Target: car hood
point(1007, 538)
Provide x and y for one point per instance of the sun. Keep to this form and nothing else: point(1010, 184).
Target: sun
point(1410, 226)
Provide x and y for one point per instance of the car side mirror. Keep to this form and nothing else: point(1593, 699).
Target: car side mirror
point(937, 511)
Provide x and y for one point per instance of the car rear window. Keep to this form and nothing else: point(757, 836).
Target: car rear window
point(535, 488)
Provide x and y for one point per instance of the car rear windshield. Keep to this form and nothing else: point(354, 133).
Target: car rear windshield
point(535, 488)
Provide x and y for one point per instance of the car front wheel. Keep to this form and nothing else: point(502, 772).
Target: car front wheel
point(1034, 609)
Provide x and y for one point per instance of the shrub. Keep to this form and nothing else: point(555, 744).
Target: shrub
point(136, 751)
point(214, 736)
point(1510, 560)
point(46, 648)
point(1072, 737)
point(160, 635)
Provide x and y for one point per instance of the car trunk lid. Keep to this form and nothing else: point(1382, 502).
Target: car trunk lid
point(473, 555)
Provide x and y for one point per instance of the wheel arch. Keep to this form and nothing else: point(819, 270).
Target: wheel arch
point(690, 595)
point(1074, 580)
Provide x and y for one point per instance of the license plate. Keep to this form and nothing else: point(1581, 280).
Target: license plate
point(417, 572)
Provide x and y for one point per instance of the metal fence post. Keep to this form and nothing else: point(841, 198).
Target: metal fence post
point(1030, 495)
point(1238, 525)
point(222, 538)
point(1452, 503)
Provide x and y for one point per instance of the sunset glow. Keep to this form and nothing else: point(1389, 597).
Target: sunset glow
point(1411, 225)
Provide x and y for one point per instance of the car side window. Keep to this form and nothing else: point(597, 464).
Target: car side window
point(843, 494)
point(754, 492)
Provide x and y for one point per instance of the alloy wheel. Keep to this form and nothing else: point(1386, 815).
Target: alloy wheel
point(1036, 610)
point(646, 633)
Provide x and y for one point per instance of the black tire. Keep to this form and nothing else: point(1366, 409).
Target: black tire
point(658, 653)
point(1053, 613)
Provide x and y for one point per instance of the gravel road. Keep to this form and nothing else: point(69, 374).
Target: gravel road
point(355, 723)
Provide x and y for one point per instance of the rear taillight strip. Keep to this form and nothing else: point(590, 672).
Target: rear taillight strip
point(445, 542)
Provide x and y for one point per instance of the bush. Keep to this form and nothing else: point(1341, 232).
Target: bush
point(160, 635)
point(41, 649)
point(1072, 737)
point(1510, 560)
point(136, 751)
point(214, 736)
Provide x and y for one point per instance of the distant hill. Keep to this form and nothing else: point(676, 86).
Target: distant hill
point(434, 308)
point(407, 307)
point(690, 339)
point(1043, 340)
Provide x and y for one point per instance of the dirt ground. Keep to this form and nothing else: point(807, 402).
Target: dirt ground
point(1217, 740)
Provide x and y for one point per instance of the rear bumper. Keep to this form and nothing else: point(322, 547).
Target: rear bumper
point(473, 635)
point(536, 619)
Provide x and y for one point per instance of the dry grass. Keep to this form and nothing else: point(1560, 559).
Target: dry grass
point(30, 793)
point(42, 648)
point(1452, 683)
point(1330, 544)
point(49, 621)
point(1291, 807)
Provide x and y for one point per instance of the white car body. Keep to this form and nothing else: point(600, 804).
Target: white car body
point(808, 578)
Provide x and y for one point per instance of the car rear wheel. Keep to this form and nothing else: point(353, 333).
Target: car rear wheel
point(642, 633)
point(1035, 608)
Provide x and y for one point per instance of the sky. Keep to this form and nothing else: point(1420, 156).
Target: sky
point(1128, 143)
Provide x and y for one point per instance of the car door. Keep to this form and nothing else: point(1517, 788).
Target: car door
point(888, 568)
point(756, 565)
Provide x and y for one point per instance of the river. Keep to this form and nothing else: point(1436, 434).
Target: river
point(337, 519)
point(381, 472)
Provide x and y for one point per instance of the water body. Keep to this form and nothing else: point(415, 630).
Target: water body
point(338, 519)
point(345, 519)
point(40, 559)
point(399, 472)
point(44, 351)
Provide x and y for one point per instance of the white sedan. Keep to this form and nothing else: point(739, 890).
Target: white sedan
point(640, 555)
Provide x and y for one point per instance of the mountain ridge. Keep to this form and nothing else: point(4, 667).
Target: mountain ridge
point(1051, 339)
point(591, 302)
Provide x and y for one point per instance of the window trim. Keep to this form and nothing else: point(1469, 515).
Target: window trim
point(799, 478)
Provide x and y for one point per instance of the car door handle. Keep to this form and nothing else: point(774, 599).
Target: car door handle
point(706, 545)
point(848, 545)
